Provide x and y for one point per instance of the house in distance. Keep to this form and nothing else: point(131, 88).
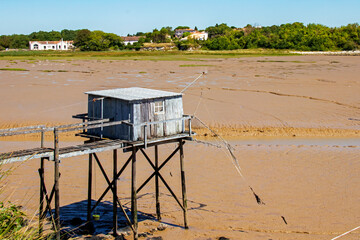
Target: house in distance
point(51, 45)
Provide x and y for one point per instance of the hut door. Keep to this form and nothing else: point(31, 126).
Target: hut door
point(157, 113)
point(145, 117)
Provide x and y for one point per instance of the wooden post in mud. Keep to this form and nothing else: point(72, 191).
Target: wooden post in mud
point(115, 220)
point(42, 198)
point(183, 187)
point(133, 193)
point(88, 216)
point(157, 193)
point(56, 183)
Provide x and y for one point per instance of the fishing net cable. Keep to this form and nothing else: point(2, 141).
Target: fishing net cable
point(230, 151)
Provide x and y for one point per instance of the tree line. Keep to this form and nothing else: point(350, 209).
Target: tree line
point(296, 36)
point(21, 41)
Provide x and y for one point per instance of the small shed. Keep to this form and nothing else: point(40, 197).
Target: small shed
point(138, 106)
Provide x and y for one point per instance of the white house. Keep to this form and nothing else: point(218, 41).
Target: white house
point(51, 45)
point(199, 35)
point(130, 40)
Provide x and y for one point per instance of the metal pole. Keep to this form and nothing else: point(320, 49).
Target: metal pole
point(157, 192)
point(88, 217)
point(133, 194)
point(115, 220)
point(183, 183)
point(56, 183)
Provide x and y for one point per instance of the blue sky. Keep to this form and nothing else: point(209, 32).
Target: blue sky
point(123, 17)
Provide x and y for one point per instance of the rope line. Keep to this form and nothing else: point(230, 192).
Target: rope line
point(345, 233)
point(233, 158)
point(203, 73)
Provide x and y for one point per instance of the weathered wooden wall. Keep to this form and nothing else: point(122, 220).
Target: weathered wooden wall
point(114, 109)
point(145, 112)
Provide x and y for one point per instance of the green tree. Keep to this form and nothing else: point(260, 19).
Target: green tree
point(218, 30)
point(5, 41)
point(82, 39)
point(68, 35)
point(182, 27)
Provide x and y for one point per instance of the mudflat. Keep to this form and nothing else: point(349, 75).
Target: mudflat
point(293, 121)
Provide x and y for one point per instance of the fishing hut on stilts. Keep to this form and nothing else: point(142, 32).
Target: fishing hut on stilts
point(128, 119)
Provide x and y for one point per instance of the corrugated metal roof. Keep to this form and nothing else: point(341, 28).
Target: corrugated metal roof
point(133, 93)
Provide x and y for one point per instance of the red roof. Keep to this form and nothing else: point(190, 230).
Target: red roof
point(50, 42)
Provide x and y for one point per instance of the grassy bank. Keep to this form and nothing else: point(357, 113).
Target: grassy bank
point(140, 55)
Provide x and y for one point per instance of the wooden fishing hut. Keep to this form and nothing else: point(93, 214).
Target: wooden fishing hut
point(131, 119)
point(139, 106)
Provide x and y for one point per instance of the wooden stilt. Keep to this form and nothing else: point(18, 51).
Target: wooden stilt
point(41, 171)
point(88, 216)
point(115, 220)
point(183, 183)
point(133, 194)
point(157, 192)
point(42, 197)
point(56, 183)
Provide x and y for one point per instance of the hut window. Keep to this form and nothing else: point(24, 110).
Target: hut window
point(159, 107)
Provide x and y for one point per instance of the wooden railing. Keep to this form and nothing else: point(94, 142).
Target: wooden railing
point(86, 125)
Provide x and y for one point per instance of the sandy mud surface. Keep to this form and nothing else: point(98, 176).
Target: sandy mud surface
point(293, 122)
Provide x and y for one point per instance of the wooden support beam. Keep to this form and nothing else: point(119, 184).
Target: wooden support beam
point(110, 184)
point(88, 216)
point(42, 139)
point(48, 200)
point(190, 131)
point(183, 186)
point(152, 165)
point(159, 175)
point(42, 198)
point(157, 192)
point(171, 191)
point(115, 198)
point(56, 183)
point(133, 193)
point(145, 136)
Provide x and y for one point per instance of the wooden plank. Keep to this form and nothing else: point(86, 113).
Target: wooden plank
point(22, 128)
point(48, 129)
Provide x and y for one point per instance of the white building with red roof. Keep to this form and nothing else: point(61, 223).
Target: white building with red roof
point(131, 40)
point(51, 45)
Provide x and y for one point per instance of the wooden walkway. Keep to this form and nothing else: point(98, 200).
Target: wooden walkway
point(83, 149)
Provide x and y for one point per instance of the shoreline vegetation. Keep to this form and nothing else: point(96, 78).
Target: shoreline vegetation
point(173, 55)
point(296, 36)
